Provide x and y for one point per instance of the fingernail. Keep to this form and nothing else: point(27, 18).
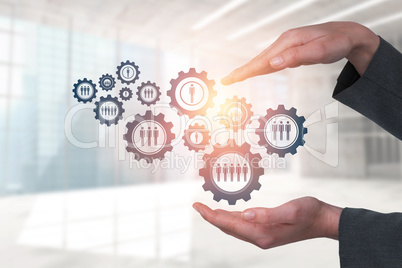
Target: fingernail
point(227, 80)
point(248, 215)
point(276, 61)
point(199, 210)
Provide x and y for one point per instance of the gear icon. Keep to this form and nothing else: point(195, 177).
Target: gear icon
point(191, 93)
point(109, 110)
point(126, 94)
point(127, 72)
point(212, 171)
point(235, 113)
point(146, 142)
point(107, 82)
point(196, 137)
point(288, 124)
point(84, 90)
point(148, 93)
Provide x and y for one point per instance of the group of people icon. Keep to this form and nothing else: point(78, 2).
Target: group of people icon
point(231, 169)
point(281, 127)
point(148, 134)
point(235, 115)
point(149, 93)
point(107, 83)
point(85, 90)
point(109, 110)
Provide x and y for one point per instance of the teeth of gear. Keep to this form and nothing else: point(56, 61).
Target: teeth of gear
point(207, 172)
point(129, 94)
point(172, 92)
point(157, 92)
point(127, 80)
point(103, 79)
point(131, 148)
point(235, 102)
point(98, 106)
point(76, 88)
point(205, 137)
point(260, 131)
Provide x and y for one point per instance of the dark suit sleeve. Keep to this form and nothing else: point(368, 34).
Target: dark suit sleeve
point(378, 93)
point(370, 239)
point(367, 238)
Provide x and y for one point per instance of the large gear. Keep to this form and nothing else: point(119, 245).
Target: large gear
point(107, 82)
point(142, 95)
point(298, 121)
point(131, 143)
point(127, 72)
point(192, 75)
point(89, 87)
point(196, 146)
point(227, 108)
point(109, 110)
point(208, 169)
point(125, 94)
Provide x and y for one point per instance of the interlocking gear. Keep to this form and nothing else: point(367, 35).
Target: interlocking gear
point(208, 170)
point(150, 97)
point(127, 72)
point(107, 82)
point(196, 78)
point(199, 130)
point(126, 94)
point(235, 113)
point(131, 142)
point(82, 87)
point(109, 110)
point(298, 121)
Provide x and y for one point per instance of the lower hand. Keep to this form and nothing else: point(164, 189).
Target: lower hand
point(297, 220)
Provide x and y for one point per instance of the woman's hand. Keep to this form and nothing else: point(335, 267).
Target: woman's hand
point(296, 220)
point(322, 43)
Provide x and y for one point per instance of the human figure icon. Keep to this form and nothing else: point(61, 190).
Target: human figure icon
point(156, 135)
point(191, 92)
point(196, 137)
point(149, 136)
point(142, 136)
point(128, 72)
point(238, 171)
point(115, 110)
point(231, 171)
point(146, 93)
point(151, 92)
point(225, 172)
point(274, 130)
point(87, 90)
point(82, 90)
point(103, 110)
point(107, 110)
point(245, 171)
point(288, 129)
point(281, 130)
point(218, 171)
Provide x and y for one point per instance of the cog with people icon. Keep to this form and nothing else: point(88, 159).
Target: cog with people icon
point(235, 113)
point(148, 93)
point(84, 90)
point(109, 110)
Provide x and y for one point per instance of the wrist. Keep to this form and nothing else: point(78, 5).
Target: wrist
point(364, 46)
point(329, 220)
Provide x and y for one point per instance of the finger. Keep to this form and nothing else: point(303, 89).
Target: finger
point(313, 52)
point(261, 65)
point(282, 214)
point(227, 222)
point(236, 214)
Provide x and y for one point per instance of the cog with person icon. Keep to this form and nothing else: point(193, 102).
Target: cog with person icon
point(149, 136)
point(196, 137)
point(127, 72)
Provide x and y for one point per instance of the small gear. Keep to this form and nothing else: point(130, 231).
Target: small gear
point(197, 81)
point(148, 93)
point(291, 116)
point(126, 94)
point(235, 113)
point(109, 110)
point(107, 82)
point(84, 90)
point(127, 72)
point(205, 137)
point(134, 144)
point(208, 172)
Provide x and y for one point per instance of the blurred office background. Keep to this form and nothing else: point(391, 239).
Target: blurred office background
point(64, 206)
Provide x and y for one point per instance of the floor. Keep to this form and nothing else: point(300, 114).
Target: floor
point(155, 226)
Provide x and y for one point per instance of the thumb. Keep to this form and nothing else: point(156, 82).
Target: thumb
point(268, 215)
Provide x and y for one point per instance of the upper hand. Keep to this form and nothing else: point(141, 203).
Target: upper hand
point(296, 220)
point(322, 43)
